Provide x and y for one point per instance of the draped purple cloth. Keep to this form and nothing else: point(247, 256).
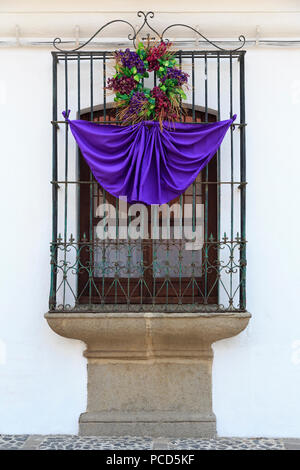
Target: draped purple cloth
point(145, 163)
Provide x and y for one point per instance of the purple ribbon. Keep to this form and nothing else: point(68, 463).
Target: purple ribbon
point(66, 114)
point(145, 163)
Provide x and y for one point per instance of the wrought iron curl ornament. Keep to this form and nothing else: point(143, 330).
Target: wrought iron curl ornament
point(241, 38)
point(132, 36)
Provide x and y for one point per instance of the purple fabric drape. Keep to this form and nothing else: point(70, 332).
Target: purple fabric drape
point(144, 163)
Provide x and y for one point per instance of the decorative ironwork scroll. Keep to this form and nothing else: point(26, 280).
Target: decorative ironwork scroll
point(132, 36)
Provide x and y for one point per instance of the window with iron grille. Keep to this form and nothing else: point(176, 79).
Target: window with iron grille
point(149, 274)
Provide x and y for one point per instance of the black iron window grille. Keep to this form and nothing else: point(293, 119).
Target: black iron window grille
point(91, 274)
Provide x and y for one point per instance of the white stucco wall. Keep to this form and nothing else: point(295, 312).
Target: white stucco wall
point(256, 376)
point(42, 384)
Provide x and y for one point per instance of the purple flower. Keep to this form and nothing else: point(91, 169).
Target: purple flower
point(135, 106)
point(130, 59)
point(175, 74)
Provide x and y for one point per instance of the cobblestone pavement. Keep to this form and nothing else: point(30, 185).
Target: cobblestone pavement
point(71, 442)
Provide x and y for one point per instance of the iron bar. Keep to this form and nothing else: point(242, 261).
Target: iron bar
point(218, 174)
point(85, 55)
point(234, 125)
point(53, 280)
point(78, 162)
point(104, 87)
point(193, 87)
point(231, 170)
point(66, 170)
point(206, 188)
point(180, 66)
point(243, 187)
point(240, 183)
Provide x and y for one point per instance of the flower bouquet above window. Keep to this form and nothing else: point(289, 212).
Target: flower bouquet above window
point(135, 102)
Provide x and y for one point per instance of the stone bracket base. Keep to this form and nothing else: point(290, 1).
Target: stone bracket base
point(149, 374)
point(147, 424)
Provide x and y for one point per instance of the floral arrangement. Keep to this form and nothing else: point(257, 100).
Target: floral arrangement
point(137, 103)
